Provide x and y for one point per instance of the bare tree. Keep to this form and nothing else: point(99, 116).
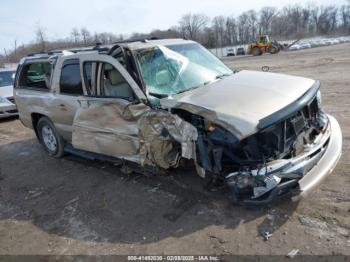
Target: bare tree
point(75, 35)
point(231, 31)
point(41, 37)
point(324, 18)
point(252, 24)
point(294, 15)
point(243, 29)
point(191, 25)
point(85, 34)
point(219, 29)
point(266, 16)
point(345, 17)
point(305, 19)
point(208, 37)
point(333, 15)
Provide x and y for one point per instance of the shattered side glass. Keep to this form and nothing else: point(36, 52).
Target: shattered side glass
point(177, 68)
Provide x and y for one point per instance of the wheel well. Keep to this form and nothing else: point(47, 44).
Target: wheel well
point(35, 120)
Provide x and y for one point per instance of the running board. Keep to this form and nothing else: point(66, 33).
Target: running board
point(126, 166)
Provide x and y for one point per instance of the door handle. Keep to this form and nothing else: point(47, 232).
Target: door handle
point(63, 107)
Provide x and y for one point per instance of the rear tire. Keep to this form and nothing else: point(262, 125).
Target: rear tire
point(52, 142)
point(273, 50)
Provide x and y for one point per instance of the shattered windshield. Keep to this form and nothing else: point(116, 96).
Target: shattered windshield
point(173, 69)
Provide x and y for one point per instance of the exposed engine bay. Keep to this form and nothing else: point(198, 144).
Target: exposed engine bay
point(280, 153)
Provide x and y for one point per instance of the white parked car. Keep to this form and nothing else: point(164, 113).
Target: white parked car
point(316, 43)
point(304, 45)
point(328, 41)
point(294, 47)
point(7, 102)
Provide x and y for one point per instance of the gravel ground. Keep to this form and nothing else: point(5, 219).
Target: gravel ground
point(75, 206)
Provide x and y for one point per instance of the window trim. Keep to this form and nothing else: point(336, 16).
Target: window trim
point(20, 75)
point(67, 62)
point(99, 80)
point(139, 93)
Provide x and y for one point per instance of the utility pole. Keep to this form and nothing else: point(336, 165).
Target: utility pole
point(6, 54)
point(16, 48)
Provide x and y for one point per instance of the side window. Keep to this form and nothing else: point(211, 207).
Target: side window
point(90, 77)
point(70, 82)
point(110, 82)
point(35, 75)
point(113, 83)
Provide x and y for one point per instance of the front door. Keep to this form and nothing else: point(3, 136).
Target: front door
point(106, 121)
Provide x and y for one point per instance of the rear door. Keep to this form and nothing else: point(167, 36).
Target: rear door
point(33, 89)
point(67, 88)
point(106, 121)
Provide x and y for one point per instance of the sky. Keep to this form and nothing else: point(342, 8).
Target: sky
point(20, 18)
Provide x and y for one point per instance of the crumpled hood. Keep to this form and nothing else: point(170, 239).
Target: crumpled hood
point(239, 101)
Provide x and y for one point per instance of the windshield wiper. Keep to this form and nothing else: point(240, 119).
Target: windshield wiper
point(182, 91)
point(195, 87)
point(158, 95)
point(221, 76)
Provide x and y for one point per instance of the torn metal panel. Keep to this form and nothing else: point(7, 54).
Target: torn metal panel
point(270, 181)
point(108, 127)
point(270, 176)
point(163, 137)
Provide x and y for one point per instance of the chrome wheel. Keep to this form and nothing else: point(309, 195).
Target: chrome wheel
point(49, 138)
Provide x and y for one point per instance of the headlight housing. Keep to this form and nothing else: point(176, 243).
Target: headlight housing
point(3, 100)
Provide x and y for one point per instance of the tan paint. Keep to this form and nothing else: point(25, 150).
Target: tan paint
point(239, 101)
point(118, 128)
point(107, 126)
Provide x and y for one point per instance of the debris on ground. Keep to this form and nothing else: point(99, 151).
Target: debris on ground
point(154, 189)
point(293, 253)
point(273, 221)
point(34, 193)
point(220, 240)
point(266, 235)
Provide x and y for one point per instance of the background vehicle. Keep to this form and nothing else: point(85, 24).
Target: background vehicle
point(263, 45)
point(7, 102)
point(230, 52)
point(240, 51)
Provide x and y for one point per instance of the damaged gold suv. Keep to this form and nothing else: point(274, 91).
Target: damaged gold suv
point(151, 103)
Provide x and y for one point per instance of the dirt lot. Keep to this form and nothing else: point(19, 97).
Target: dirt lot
point(75, 206)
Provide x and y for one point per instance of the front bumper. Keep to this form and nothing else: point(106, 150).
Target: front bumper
point(327, 162)
point(8, 109)
point(317, 162)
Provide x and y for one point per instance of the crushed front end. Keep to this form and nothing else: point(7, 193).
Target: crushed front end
point(281, 159)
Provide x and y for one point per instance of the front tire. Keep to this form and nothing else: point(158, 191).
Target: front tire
point(52, 142)
point(256, 51)
point(273, 50)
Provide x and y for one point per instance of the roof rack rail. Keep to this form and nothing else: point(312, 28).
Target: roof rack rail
point(97, 47)
point(45, 53)
point(137, 40)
